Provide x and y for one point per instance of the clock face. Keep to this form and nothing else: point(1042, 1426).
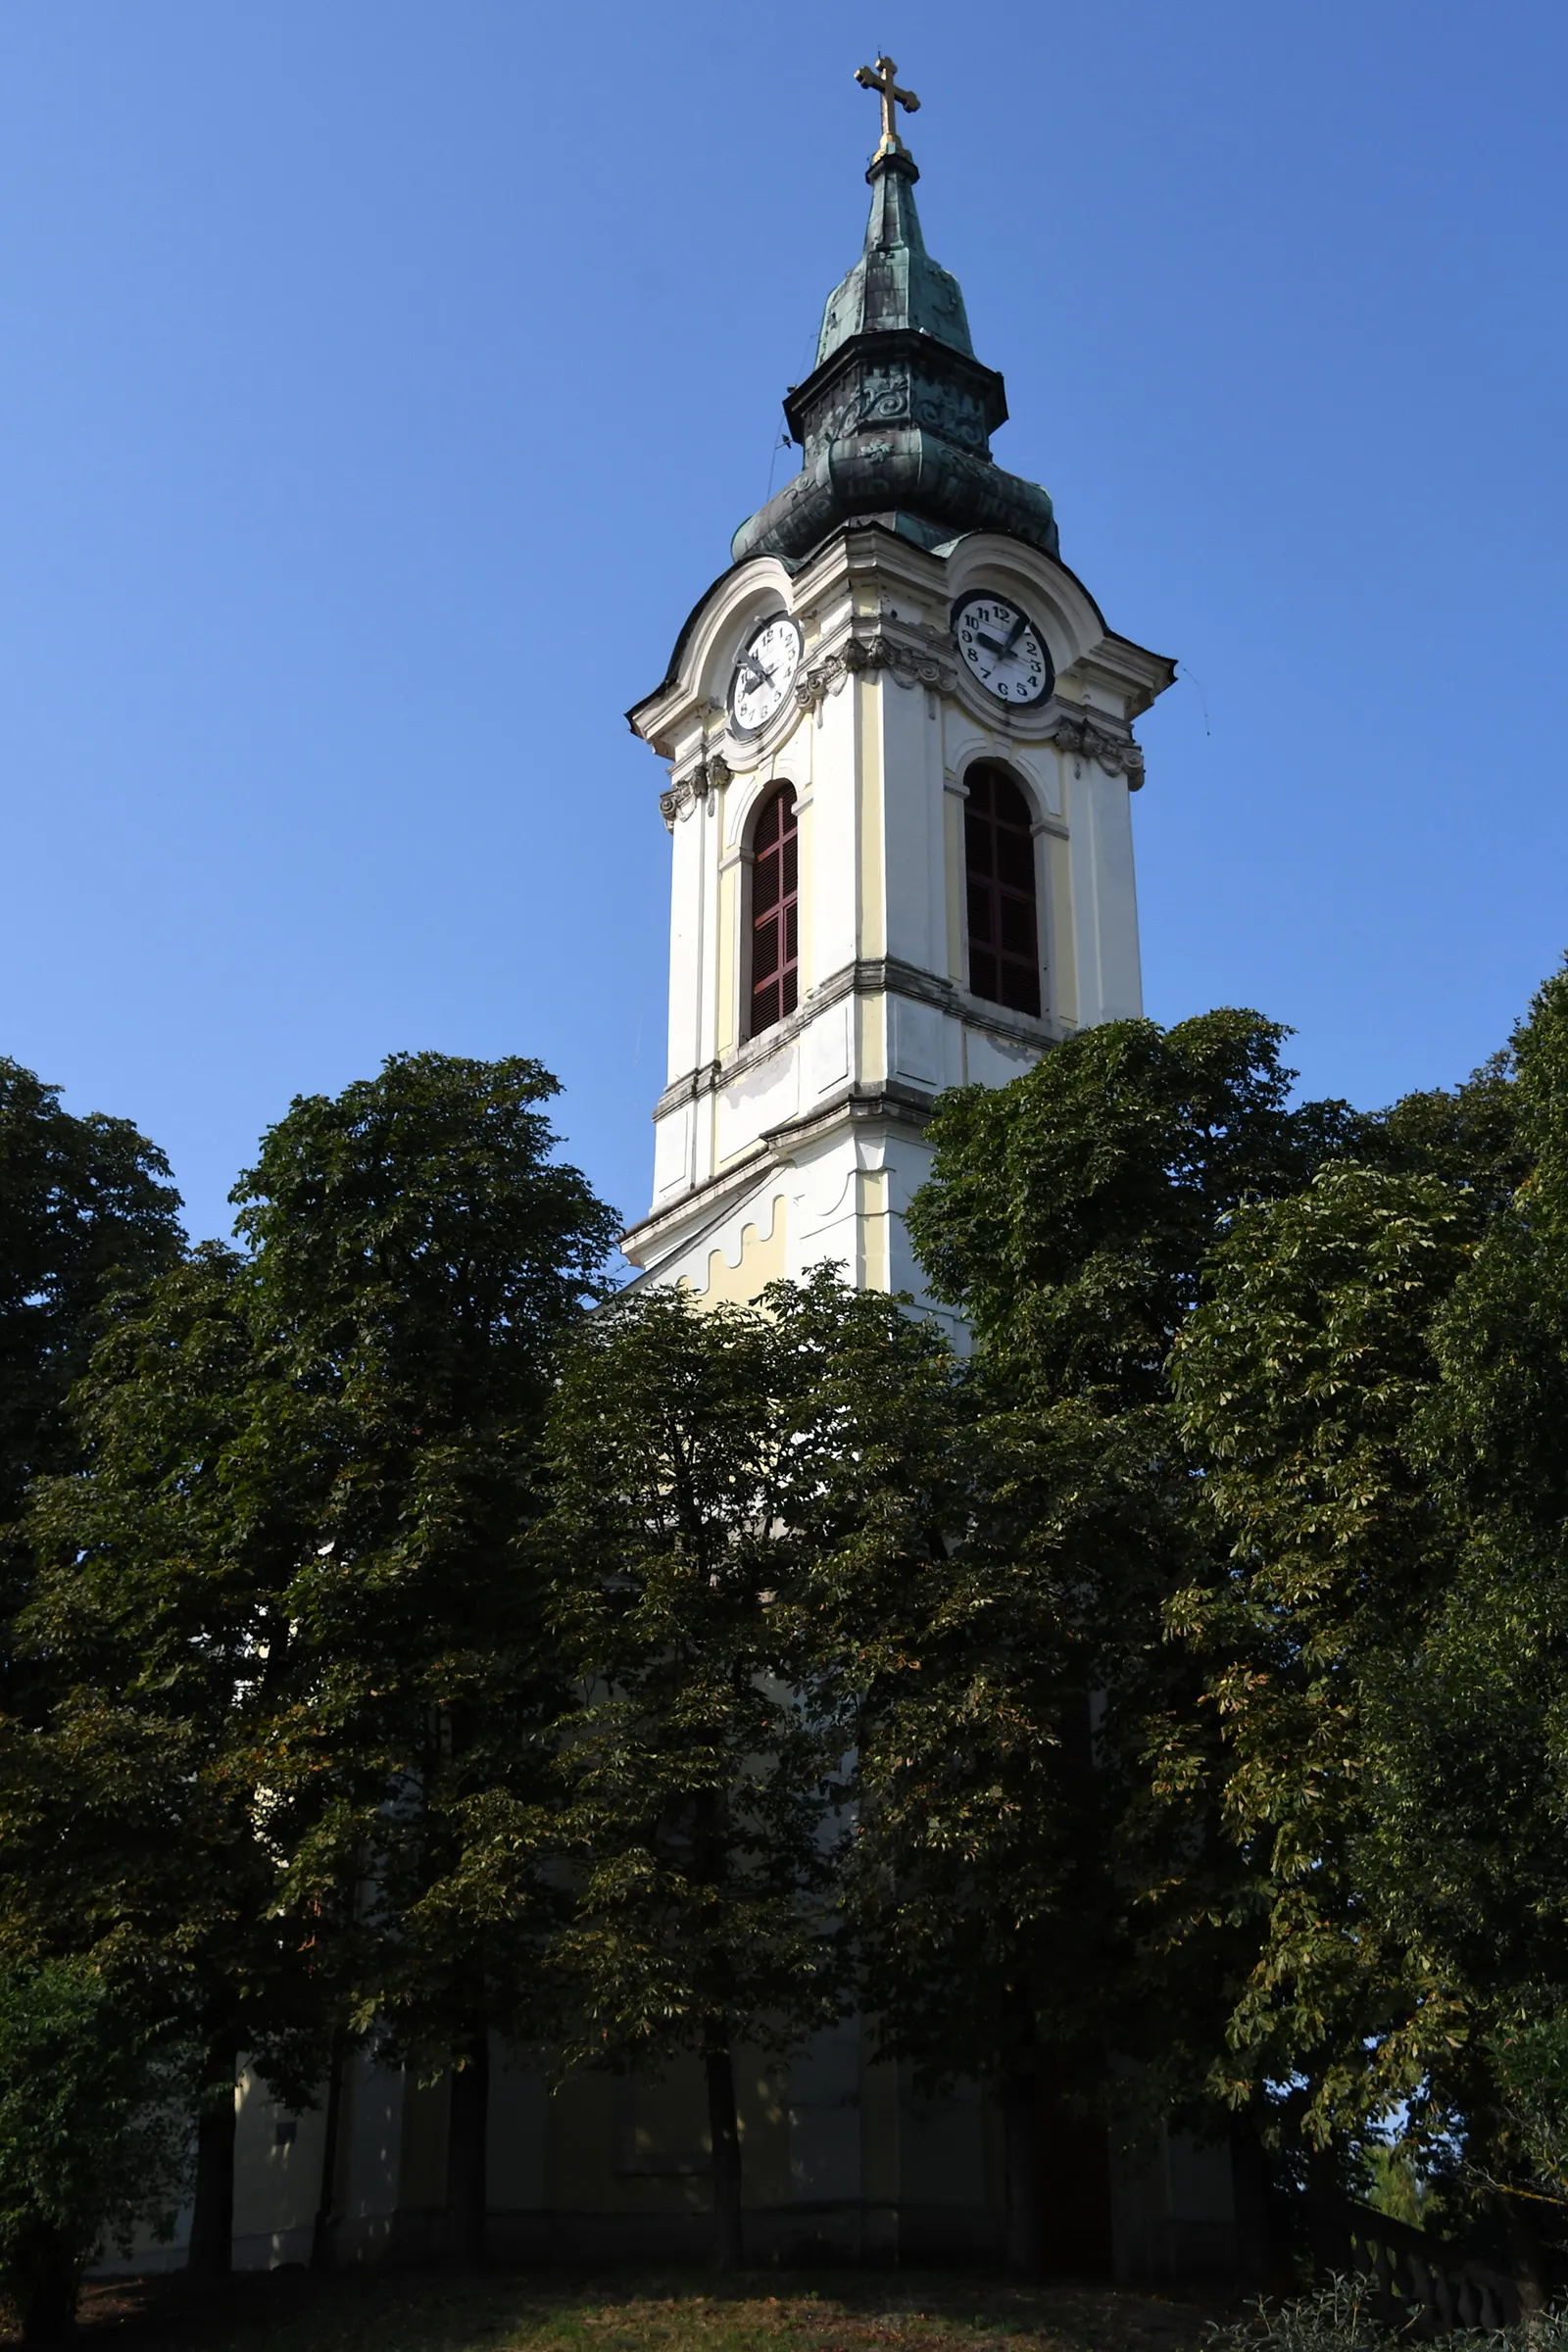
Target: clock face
point(764, 674)
point(1003, 649)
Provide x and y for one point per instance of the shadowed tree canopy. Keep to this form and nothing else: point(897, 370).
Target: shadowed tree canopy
point(739, 1492)
point(1070, 1212)
point(85, 1206)
point(1033, 1908)
point(136, 1814)
point(419, 1253)
point(300, 1689)
point(1375, 1389)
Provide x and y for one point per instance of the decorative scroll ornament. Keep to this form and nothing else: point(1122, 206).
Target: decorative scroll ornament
point(1085, 738)
point(709, 775)
point(906, 665)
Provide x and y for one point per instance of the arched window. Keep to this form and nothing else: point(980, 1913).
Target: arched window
point(775, 911)
point(1000, 859)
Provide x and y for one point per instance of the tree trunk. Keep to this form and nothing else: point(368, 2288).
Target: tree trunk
point(212, 2222)
point(1021, 2128)
point(45, 2298)
point(324, 2239)
point(1526, 2257)
point(1251, 2187)
point(468, 2190)
point(724, 2130)
point(1073, 2181)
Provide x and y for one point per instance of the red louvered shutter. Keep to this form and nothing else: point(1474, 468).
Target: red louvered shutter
point(1000, 861)
point(775, 911)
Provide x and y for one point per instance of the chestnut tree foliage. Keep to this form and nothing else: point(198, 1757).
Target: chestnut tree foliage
point(1155, 1703)
point(1376, 1389)
point(298, 1689)
point(739, 1492)
point(87, 1210)
point(1040, 1904)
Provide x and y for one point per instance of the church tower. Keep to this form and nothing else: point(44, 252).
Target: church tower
point(899, 744)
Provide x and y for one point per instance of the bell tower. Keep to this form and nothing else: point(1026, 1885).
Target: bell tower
point(899, 735)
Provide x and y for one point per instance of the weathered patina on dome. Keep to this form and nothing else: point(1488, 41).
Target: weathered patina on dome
point(895, 282)
point(896, 415)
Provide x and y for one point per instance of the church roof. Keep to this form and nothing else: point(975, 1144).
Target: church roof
point(896, 415)
point(895, 283)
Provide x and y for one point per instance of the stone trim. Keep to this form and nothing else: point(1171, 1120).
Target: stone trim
point(686, 792)
point(1081, 736)
point(870, 976)
point(719, 1195)
point(873, 648)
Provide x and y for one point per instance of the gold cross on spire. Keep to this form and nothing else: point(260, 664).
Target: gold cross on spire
point(880, 77)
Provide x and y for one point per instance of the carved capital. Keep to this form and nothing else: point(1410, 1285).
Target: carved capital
point(1086, 736)
point(685, 792)
point(682, 797)
point(906, 665)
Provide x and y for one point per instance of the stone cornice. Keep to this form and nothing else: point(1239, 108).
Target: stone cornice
point(679, 716)
point(870, 976)
point(885, 1102)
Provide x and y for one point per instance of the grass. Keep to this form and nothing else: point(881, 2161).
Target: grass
point(429, 2311)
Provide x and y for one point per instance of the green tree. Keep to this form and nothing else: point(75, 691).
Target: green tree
point(93, 2145)
point(1468, 1831)
point(1069, 1213)
point(1300, 1378)
point(85, 1207)
point(1374, 1390)
point(1038, 1908)
point(137, 1819)
point(418, 1253)
point(737, 1491)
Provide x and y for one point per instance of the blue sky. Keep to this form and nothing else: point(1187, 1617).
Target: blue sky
point(382, 382)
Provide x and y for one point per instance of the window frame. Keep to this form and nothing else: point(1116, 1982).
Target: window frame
point(1038, 893)
point(788, 968)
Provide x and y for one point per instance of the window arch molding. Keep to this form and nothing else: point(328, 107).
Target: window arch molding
point(1004, 894)
point(745, 793)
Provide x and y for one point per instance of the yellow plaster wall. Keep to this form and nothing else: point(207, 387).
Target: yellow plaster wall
point(879, 2132)
point(726, 1011)
point(953, 874)
point(580, 2144)
point(609, 2136)
point(805, 821)
point(873, 925)
point(422, 2169)
point(873, 1221)
point(761, 1262)
point(1061, 977)
point(275, 2186)
point(870, 1039)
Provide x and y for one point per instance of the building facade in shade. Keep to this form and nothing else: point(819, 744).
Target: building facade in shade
point(899, 735)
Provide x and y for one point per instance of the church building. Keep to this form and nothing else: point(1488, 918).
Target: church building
point(899, 739)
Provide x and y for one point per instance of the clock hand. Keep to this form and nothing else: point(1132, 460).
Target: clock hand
point(1018, 628)
point(993, 645)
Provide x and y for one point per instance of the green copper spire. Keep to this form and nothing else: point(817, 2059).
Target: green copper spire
point(895, 282)
point(896, 415)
